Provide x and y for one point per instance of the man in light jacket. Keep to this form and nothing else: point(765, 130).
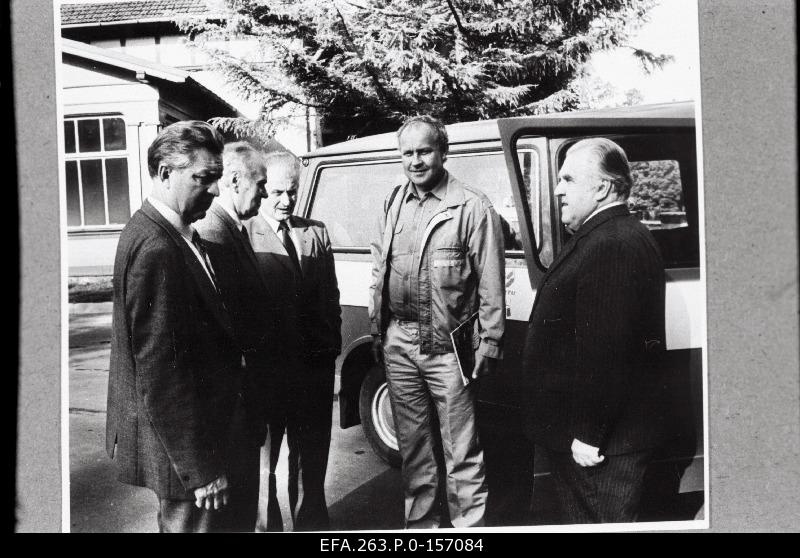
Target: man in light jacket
point(437, 260)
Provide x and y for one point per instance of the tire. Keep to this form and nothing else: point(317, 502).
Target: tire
point(376, 416)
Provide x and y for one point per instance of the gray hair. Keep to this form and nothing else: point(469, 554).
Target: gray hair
point(237, 153)
point(176, 144)
point(612, 163)
point(438, 127)
point(282, 160)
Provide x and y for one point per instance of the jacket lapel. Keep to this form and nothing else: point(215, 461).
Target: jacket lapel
point(265, 241)
point(306, 244)
point(207, 291)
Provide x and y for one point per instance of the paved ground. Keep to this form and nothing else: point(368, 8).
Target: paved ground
point(363, 493)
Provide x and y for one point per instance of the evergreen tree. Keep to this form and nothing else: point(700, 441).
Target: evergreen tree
point(364, 65)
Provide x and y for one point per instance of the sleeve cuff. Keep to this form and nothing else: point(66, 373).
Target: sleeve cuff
point(490, 350)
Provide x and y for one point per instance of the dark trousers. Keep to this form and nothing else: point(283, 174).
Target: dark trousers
point(607, 493)
point(303, 411)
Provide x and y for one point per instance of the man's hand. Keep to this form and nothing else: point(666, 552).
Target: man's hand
point(586, 455)
point(213, 495)
point(377, 349)
point(484, 366)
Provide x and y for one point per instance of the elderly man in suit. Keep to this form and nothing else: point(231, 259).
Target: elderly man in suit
point(594, 337)
point(296, 259)
point(175, 421)
point(245, 295)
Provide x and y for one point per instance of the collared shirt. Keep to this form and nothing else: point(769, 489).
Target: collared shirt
point(274, 224)
point(186, 231)
point(599, 209)
point(409, 277)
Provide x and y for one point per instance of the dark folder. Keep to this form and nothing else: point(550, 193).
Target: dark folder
point(464, 339)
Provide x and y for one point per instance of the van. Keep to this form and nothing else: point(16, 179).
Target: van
point(515, 162)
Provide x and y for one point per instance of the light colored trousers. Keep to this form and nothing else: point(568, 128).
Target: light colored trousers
point(425, 389)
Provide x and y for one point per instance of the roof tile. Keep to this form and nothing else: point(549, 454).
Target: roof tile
point(108, 12)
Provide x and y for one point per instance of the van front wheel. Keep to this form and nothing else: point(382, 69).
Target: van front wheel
point(376, 416)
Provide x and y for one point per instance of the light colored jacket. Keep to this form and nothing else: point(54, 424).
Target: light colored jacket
point(463, 242)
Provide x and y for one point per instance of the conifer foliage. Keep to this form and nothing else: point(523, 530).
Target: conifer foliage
point(364, 65)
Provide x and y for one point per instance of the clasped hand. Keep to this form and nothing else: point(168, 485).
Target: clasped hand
point(586, 455)
point(213, 495)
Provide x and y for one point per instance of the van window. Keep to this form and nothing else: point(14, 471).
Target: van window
point(349, 197)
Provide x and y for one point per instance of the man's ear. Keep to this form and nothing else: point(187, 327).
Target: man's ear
point(163, 172)
point(604, 189)
point(235, 181)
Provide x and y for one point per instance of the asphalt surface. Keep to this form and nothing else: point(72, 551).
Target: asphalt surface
point(363, 493)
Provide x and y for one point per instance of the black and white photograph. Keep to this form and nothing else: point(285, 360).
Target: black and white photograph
point(378, 265)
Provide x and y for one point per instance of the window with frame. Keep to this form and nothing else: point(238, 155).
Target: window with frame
point(341, 188)
point(96, 170)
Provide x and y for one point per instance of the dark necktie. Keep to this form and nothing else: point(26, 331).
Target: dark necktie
point(206, 261)
point(286, 238)
point(246, 237)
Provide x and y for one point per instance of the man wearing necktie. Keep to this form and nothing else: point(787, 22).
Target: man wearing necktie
point(245, 294)
point(174, 421)
point(296, 260)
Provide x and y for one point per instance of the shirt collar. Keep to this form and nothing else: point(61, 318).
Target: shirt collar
point(186, 231)
point(275, 224)
point(439, 191)
point(599, 209)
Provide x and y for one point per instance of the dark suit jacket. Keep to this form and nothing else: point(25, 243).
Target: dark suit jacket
point(309, 309)
point(595, 333)
point(175, 372)
point(250, 304)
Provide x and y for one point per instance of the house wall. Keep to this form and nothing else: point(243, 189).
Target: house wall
point(89, 91)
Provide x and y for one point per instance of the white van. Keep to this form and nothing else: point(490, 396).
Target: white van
point(515, 162)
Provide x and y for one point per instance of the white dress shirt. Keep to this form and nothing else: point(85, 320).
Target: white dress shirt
point(186, 232)
point(275, 226)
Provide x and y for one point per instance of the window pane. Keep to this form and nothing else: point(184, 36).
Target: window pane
point(117, 187)
point(657, 194)
point(487, 172)
point(93, 201)
point(69, 136)
point(73, 199)
point(340, 189)
point(113, 134)
point(89, 135)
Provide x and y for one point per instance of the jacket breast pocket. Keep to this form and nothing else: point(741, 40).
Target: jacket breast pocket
point(448, 267)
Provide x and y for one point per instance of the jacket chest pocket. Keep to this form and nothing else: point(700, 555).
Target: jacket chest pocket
point(448, 267)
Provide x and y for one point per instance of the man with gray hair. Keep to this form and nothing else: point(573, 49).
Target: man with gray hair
point(438, 263)
point(596, 330)
point(248, 301)
point(296, 259)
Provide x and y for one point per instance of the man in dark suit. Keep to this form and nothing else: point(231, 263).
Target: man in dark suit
point(296, 259)
point(174, 419)
point(596, 329)
point(245, 295)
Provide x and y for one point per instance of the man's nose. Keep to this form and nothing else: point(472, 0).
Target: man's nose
point(214, 189)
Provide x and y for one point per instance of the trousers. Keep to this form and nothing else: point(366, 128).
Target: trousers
point(426, 390)
point(606, 493)
point(302, 411)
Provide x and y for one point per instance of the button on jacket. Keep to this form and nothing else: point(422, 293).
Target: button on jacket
point(461, 246)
